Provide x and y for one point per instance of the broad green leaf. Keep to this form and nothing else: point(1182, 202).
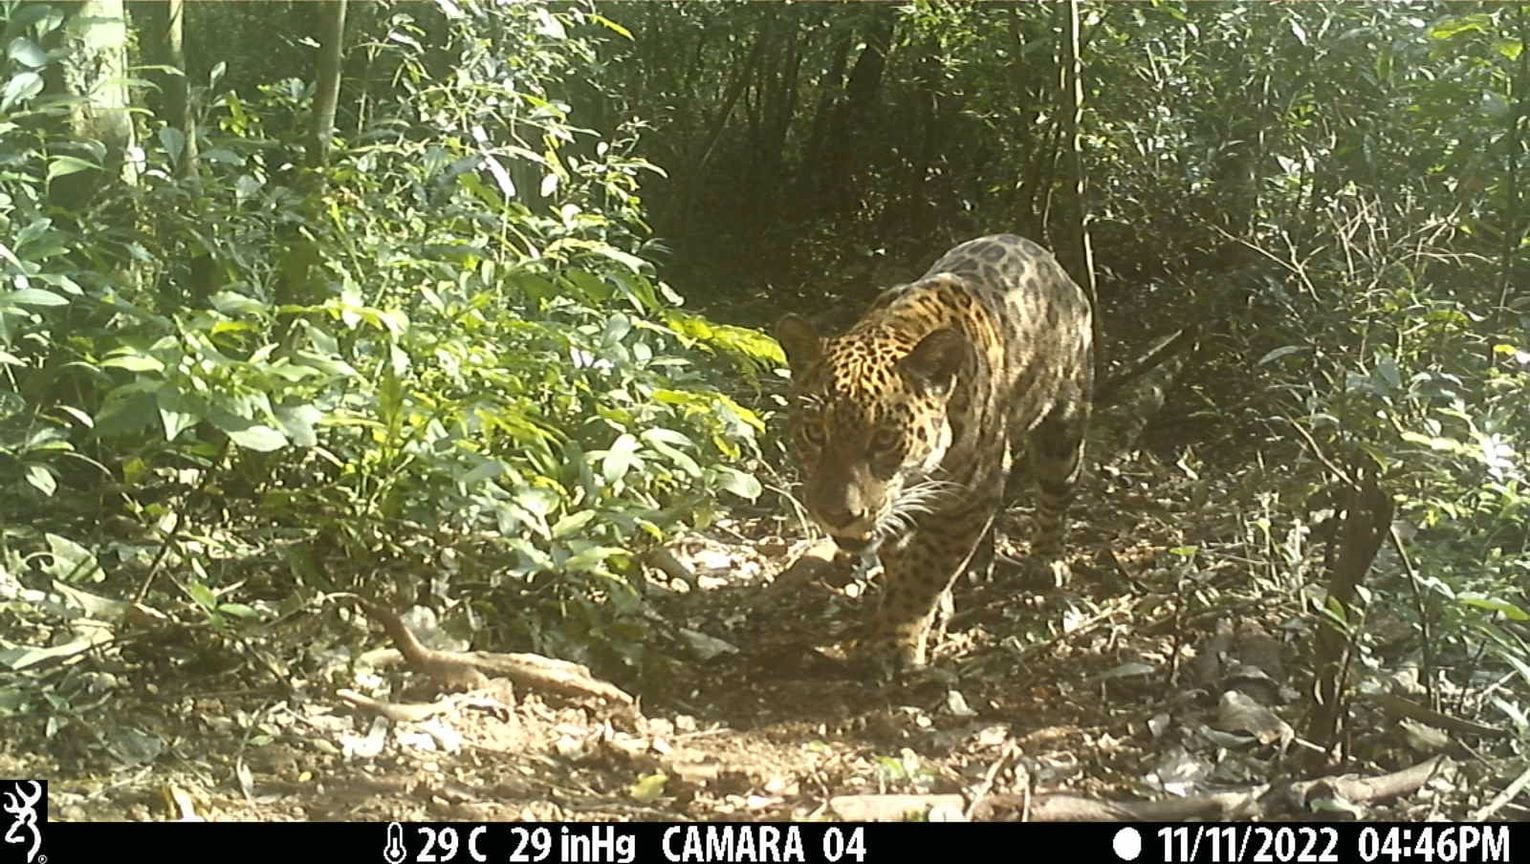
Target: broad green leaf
point(34, 297)
point(63, 166)
point(664, 441)
point(487, 469)
point(21, 87)
point(258, 437)
point(79, 416)
point(177, 413)
point(1494, 604)
point(41, 478)
point(620, 459)
point(71, 562)
point(743, 485)
point(234, 303)
point(571, 523)
point(298, 421)
point(133, 363)
point(27, 53)
point(1453, 27)
point(592, 560)
point(174, 142)
point(202, 595)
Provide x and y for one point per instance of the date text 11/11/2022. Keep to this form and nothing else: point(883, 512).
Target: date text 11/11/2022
point(1390, 844)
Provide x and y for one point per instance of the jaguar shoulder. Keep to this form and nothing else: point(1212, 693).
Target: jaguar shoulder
point(907, 426)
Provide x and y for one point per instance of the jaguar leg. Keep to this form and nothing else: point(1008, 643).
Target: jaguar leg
point(917, 574)
point(1056, 458)
point(980, 568)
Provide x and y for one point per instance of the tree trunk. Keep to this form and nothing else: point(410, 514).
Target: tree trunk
point(1513, 231)
point(1075, 251)
point(860, 95)
point(779, 96)
point(814, 156)
point(326, 97)
point(1368, 517)
point(163, 35)
point(95, 73)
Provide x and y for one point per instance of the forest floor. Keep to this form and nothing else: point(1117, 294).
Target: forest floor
point(1170, 667)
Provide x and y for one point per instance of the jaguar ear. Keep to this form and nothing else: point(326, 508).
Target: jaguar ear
point(800, 340)
point(937, 358)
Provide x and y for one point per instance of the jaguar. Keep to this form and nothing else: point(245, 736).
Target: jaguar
point(910, 428)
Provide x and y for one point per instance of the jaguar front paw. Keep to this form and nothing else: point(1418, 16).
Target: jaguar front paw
point(886, 660)
point(1047, 571)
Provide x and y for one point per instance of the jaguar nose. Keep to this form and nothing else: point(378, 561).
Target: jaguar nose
point(853, 545)
point(842, 516)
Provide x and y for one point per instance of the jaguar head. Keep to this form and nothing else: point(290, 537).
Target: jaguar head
point(869, 424)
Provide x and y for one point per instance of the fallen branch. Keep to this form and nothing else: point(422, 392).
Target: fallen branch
point(893, 808)
point(665, 562)
point(1221, 806)
point(1438, 719)
point(1508, 794)
point(472, 669)
point(1177, 342)
point(398, 712)
point(1255, 802)
point(1365, 790)
point(817, 561)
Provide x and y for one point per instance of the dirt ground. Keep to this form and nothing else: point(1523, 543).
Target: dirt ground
point(1170, 668)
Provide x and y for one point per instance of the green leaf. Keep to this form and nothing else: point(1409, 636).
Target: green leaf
point(63, 166)
point(27, 53)
point(234, 303)
point(571, 523)
point(41, 478)
point(259, 437)
point(177, 412)
point(298, 421)
point(611, 25)
point(79, 416)
point(648, 788)
point(592, 560)
point(664, 441)
point(34, 297)
point(71, 562)
point(1453, 27)
point(620, 459)
point(133, 363)
point(174, 142)
point(202, 595)
point(743, 485)
point(21, 87)
point(1494, 604)
point(1433, 442)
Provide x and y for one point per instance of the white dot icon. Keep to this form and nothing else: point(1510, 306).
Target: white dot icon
point(1127, 844)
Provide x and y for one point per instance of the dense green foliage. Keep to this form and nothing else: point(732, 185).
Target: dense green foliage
point(440, 354)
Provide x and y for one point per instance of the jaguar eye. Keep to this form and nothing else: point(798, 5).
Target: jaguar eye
point(885, 439)
point(812, 434)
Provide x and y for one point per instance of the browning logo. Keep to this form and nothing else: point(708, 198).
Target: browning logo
point(25, 805)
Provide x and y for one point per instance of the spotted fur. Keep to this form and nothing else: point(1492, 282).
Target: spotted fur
point(907, 425)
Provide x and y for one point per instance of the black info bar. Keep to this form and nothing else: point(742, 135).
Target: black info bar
point(747, 843)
